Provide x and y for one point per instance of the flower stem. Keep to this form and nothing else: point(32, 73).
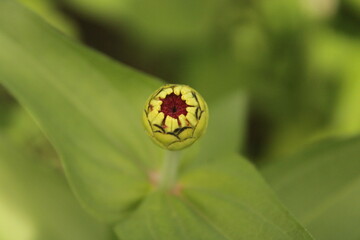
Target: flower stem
point(168, 175)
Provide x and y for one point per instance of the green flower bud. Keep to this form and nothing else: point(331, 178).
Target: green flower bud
point(175, 116)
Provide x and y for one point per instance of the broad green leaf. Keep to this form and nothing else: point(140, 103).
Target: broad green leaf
point(89, 107)
point(321, 186)
point(224, 199)
point(36, 202)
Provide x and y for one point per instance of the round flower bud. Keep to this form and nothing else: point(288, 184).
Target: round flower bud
point(175, 116)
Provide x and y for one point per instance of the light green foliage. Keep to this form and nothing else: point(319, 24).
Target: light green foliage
point(90, 108)
point(35, 199)
point(96, 122)
point(321, 186)
point(233, 204)
point(328, 47)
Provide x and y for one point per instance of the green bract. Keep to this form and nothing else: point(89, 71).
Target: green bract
point(175, 116)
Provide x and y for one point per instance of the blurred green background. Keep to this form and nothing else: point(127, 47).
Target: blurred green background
point(296, 61)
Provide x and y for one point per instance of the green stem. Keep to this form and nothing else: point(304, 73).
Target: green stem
point(168, 175)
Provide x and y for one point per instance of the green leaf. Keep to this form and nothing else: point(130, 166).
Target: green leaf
point(36, 202)
point(89, 107)
point(321, 186)
point(225, 199)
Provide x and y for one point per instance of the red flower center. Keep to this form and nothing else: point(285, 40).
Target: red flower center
point(173, 106)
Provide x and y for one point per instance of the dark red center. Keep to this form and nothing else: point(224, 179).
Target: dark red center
point(173, 106)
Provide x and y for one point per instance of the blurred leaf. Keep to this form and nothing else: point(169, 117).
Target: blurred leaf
point(213, 73)
point(36, 202)
point(337, 81)
point(225, 199)
point(24, 133)
point(331, 47)
point(163, 24)
point(90, 108)
point(109, 10)
point(169, 23)
point(321, 186)
point(47, 9)
point(282, 16)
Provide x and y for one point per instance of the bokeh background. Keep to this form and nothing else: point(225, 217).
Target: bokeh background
point(296, 62)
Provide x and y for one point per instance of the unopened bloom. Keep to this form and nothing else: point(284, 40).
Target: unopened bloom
point(175, 116)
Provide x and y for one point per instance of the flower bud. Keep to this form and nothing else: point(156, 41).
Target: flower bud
point(175, 116)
